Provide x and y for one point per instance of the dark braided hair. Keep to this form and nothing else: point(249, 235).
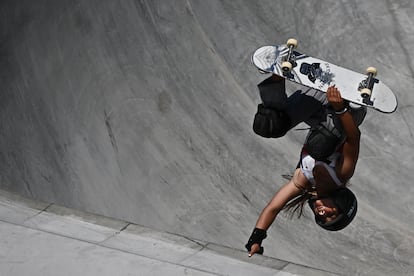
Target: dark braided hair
point(295, 206)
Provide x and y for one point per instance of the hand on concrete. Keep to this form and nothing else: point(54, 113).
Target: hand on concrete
point(256, 248)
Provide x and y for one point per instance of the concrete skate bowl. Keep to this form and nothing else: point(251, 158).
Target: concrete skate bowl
point(142, 111)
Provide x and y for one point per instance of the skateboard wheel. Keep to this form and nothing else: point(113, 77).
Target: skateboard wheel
point(286, 66)
point(372, 70)
point(365, 92)
point(292, 42)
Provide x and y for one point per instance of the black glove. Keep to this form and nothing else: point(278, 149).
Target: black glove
point(257, 236)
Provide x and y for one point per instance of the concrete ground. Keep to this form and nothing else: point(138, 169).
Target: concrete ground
point(39, 238)
point(141, 111)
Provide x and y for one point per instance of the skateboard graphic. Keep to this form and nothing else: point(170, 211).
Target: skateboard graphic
point(362, 89)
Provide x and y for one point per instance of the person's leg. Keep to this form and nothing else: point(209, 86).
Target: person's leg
point(302, 106)
point(270, 120)
point(306, 106)
point(273, 92)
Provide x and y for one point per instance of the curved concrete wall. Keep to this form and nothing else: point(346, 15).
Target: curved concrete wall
point(142, 110)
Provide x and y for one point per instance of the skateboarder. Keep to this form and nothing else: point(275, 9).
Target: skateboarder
point(328, 158)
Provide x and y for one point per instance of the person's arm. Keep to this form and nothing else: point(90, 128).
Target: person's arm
point(351, 145)
point(283, 195)
point(276, 204)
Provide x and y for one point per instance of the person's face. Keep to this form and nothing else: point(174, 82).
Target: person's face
point(325, 209)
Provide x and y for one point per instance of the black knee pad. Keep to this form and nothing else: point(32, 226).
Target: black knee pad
point(270, 123)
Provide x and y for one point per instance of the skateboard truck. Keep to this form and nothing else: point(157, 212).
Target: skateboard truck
point(289, 62)
point(366, 86)
point(318, 74)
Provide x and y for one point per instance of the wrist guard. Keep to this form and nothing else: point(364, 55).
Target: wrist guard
point(257, 236)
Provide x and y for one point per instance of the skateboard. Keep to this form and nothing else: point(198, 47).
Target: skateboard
point(362, 89)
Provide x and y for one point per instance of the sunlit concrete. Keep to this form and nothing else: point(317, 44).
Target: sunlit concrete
point(142, 111)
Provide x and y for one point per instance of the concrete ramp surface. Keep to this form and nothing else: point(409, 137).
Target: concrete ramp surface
point(142, 111)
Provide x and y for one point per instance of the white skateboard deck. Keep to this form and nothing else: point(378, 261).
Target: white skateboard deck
point(319, 74)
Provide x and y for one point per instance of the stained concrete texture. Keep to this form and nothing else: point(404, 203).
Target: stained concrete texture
point(39, 238)
point(142, 111)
